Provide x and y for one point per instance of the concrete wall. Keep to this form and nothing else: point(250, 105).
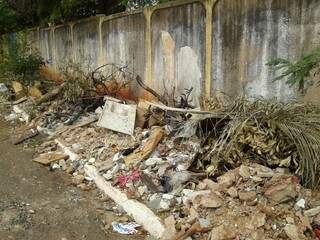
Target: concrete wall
point(214, 46)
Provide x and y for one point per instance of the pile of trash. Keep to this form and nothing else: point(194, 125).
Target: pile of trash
point(236, 170)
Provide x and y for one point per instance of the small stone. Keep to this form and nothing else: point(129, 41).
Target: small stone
point(290, 220)
point(256, 220)
point(63, 164)
point(300, 204)
point(204, 223)
point(108, 176)
point(165, 205)
point(153, 161)
point(223, 233)
point(31, 211)
point(247, 195)
point(142, 190)
point(92, 160)
point(208, 200)
point(76, 180)
point(211, 185)
point(227, 179)
point(167, 196)
point(281, 191)
point(179, 200)
point(233, 192)
point(263, 171)
point(154, 204)
point(257, 179)
point(292, 232)
point(316, 219)
point(244, 172)
point(76, 147)
point(312, 212)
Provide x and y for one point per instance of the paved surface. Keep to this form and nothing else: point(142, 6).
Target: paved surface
point(36, 204)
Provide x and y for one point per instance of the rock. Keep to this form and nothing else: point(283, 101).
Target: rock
point(263, 171)
point(164, 204)
point(92, 160)
point(193, 214)
point(211, 185)
point(190, 195)
point(167, 196)
point(204, 223)
point(223, 233)
point(142, 190)
point(178, 178)
point(76, 147)
point(290, 220)
point(63, 164)
point(170, 224)
point(256, 220)
point(292, 232)
point(257, 179)
point(233, 192)
point(227, 179)
point(154, 204)
point(78, 179)
point(300, 204)
point(208, 200)
point(312, 212)
point(316, 219)
point(281, 191)
point(244, 172)
point(153, 161)
point(247, 195)
point(31, 211)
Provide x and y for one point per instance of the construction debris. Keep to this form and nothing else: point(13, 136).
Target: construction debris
point(118, 117)
point(30, 133)
point(239, 170)
point(47, 159)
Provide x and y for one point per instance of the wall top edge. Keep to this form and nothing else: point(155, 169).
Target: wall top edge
point(174, 4)
point(102, 17)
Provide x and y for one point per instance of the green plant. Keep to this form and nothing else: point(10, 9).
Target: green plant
point(77, 83)
point(298, 73)
point(20, 63)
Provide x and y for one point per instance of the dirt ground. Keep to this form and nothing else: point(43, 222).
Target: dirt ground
point(36, 204)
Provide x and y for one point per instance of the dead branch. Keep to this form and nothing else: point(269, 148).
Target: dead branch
point(150, 90)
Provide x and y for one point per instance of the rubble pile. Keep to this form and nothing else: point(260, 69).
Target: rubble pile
point(246, 170)
point(251, 201)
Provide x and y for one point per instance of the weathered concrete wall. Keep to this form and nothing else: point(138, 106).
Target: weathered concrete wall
point(249, 33)
point(86, 43)
point(123, 43)
point(214, 46)
point(62, 45)
point(178, 49)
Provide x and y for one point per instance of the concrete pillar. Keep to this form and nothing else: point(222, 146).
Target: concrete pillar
point(73, 52)
point(101, 59)
point(148, 45)
point(209, 4)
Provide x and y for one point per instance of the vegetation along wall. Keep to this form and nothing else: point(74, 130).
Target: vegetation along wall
point(214, 46)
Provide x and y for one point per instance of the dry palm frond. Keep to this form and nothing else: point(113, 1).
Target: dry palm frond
point(273, 134)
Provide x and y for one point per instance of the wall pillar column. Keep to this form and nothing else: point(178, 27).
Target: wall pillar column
point(148, 46)
point(208, 48)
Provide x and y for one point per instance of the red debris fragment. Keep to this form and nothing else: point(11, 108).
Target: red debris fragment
point(134, 176)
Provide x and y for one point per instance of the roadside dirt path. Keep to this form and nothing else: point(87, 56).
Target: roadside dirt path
point(36, 204)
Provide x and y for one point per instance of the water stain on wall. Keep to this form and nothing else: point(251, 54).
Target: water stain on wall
point(247, 34)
